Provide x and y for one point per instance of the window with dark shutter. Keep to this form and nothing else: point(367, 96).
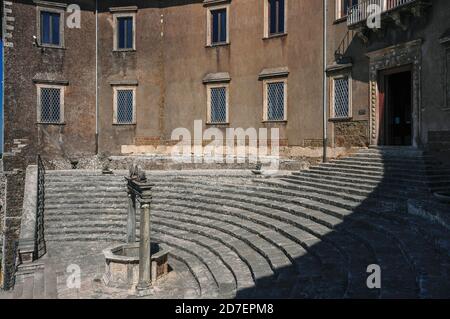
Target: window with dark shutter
point(125, 32)
point(276, 16)
point(219, 26)
point(50, 28)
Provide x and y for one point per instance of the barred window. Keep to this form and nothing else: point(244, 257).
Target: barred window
point(276, 101)
point(50, 101)
point(125, 104)
point(218, 102)
point(341, 102)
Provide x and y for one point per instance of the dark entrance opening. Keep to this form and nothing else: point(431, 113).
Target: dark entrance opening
point(396, 111)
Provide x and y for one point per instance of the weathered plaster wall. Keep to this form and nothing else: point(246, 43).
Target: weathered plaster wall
point(172, 58)
point(435, 114)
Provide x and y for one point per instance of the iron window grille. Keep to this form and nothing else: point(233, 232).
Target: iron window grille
point(276, 16)
point(218, 105)
point(276, 101)
point(341, 97)
point(50, 105)
point(125, 105)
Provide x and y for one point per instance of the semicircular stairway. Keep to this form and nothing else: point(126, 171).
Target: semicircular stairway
point(309, 234)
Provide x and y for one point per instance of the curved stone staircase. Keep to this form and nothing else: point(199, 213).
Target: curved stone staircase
point(309, 234)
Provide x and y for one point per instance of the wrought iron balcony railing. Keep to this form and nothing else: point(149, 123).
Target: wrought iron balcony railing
point(360, 12)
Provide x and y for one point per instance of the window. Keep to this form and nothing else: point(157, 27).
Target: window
point(275, 100)
point(343, 6)
point(124, 29)
point(341, 97)
point(276, 16)
point(217, 104)
point(50, 26)
point(50, 104)
point(124, 105)
point(218, 25)
point(125, 32)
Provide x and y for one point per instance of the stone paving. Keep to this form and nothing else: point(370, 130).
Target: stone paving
point(309, 234)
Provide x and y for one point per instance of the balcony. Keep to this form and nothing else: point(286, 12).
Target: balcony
point(359, 13)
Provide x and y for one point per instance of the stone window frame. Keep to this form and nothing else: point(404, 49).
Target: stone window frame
point(212, 6)
point(62, 88)
point(266, 83)
point(124, 87)
point(120, 12)
point(333, 79)
point(210, 86)
point(267, 34)
point(53, 7)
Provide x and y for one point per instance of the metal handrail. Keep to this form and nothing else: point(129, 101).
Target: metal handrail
point(40, 247)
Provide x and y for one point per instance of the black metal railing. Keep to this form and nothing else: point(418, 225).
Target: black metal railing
point(340, 54)
point(40, 248)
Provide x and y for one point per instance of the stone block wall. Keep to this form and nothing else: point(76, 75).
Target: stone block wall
point(351, 134)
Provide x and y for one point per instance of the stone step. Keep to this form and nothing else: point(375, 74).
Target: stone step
point(301, 230)
point(104, 205)
point(83, 218)
point(424, 261)
point(224, 284)
point(380, 173)
point(369, 160)
point(206, 282)
point(374, 188)
point(385, 262)
point(81, 212)
point(241, 271)
point(364, 179)
point(258, 265)
point(385, 168)
point(346, 192)
point(352, 244)
point(264, 197)
point(115, 199)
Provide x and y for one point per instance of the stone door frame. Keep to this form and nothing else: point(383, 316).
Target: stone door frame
point(405, 54)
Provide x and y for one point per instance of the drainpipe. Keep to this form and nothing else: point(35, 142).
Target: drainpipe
point(325, 100)
point(96, 77)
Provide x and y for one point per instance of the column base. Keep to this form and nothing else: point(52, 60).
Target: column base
point(144, 289)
